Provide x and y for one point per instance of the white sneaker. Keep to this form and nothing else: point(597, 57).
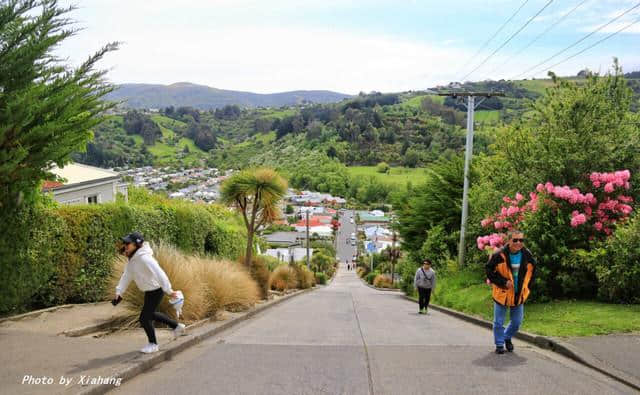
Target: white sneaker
point(149, 348)
point(179, 331)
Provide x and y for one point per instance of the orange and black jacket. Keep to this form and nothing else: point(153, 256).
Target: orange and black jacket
point(499, 272)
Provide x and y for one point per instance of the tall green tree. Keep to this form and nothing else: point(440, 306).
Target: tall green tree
point(47, 109)
point(255, 194)
point(437, 201)
point(573, 130)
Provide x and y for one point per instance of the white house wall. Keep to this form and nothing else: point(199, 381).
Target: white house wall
point(79, 195)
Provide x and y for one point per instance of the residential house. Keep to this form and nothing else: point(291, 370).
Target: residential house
point(366, 218)
point(283, 238)
point(82, 184)
point(285, 254)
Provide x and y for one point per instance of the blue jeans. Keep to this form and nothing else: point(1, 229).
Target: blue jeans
point(499, 314)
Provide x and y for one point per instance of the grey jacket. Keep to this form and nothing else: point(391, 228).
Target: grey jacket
point(425, 278)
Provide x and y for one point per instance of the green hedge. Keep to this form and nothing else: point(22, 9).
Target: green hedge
point(321, 278)
point(63, 255)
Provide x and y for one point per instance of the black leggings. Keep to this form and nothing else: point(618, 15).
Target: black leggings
point(151, 301)
point(424, 295)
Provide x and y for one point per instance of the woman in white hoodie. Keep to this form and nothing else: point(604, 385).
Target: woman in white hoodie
point(152, 280)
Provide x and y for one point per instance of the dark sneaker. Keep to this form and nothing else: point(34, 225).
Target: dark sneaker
point(499, 350)
point(509, 345)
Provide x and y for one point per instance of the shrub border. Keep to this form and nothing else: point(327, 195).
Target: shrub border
point(378, 289)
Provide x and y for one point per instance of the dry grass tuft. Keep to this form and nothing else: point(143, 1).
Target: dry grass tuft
point(283, 278)
point(260, 272)
point(382, 281)
point(209, 285)
point(306, 278)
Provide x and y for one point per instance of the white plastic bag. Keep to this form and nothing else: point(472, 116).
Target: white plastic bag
point(177, 303)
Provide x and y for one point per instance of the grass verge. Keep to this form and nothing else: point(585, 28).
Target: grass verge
point(398, 176)
point(564, 318)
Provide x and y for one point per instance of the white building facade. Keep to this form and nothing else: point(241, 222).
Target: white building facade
point(85, 184)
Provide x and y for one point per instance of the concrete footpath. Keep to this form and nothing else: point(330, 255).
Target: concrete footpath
point(616, 355)
point(79, 348)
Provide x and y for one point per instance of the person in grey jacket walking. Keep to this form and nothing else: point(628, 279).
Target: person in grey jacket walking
point(425, 282)
point(150, 279)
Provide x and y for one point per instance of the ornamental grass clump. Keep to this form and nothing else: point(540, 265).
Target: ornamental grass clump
point(208, 285)
point(259, 270)
point(229, 285)
point(382, 281)
point(306, 278)
point(283, 278)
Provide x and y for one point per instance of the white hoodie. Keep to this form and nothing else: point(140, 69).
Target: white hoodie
point(145, 271)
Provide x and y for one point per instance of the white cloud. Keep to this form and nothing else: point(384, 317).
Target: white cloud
point(278, 59)
point(264, 47)
point(614, 27)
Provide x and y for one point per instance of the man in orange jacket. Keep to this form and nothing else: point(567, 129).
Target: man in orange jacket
point(510, 271)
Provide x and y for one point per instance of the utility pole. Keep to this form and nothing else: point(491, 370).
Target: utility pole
point(468, 152)
point(308, 261)
point(394, 255)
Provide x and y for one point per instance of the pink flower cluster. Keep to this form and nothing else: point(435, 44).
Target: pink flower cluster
point(577, 219)
point(601, 215)
point(611, 180)
point(572, 196)
point(510, 216)
point(494, 240)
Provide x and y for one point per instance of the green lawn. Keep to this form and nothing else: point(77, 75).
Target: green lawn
point(166, 133)
point(277, 113)
point(162, 150)
point(487, 116)
point(540, 86)
point(137, 138)
point(397, 177)
point(166, 121)
point(193, 148)
point(464, 292)
point(266, 138)
point(165, 151)
point(416, 101)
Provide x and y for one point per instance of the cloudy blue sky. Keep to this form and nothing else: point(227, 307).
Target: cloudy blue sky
point(347, 46)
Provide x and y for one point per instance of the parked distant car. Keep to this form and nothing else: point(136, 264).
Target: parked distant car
point(351, 220)
point(353, 242)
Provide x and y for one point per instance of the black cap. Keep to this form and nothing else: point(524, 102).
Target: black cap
point(133, 237)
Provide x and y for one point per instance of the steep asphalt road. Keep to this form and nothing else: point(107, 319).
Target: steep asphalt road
point(350, 339)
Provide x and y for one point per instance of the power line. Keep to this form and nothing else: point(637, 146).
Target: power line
point(509, 39)
point(547, 30)
point(577, 42)
point(590, 46)
point(494, 35)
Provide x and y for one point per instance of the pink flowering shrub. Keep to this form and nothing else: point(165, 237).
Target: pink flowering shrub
point(557, 221)
point(598, 211)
